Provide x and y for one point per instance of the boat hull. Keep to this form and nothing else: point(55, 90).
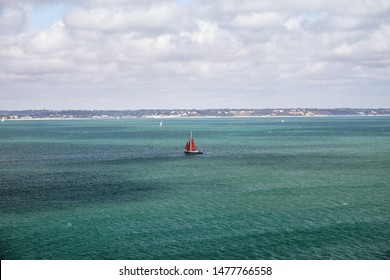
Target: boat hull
point(196, 152)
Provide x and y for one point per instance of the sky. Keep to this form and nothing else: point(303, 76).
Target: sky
point(166, 54)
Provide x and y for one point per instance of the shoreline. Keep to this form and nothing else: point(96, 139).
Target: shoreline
point(187, 113)
point(186, 117)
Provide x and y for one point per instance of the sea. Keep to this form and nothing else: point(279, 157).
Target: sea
point(270, 188)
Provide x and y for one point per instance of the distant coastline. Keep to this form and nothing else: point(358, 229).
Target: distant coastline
point(186, 113)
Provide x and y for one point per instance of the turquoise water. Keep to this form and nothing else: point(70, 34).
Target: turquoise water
point(305, 188)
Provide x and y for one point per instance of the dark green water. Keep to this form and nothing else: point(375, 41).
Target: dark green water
point(305, 188)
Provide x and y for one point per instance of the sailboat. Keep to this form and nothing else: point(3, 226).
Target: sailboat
point(190, 147)
point(161, 124)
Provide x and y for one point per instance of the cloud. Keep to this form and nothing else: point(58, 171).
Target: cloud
point(305, 22)
point(257, 20)
point(50, 41)
point(12, 19)
point(207, 32)
point(216, 50)
point(159, 18)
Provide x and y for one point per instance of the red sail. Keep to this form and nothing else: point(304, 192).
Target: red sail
point(187, 147)
point(193, 147)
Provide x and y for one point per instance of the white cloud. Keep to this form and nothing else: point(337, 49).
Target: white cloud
point(380, 39)
point(12, 19)
point(257, 20)
point(206, 33)
point(200, 47)
point(294, 23)
point(159, 18)
point(50, 41)
point(305, 22)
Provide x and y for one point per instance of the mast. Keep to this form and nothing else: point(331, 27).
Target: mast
point(191, 140)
